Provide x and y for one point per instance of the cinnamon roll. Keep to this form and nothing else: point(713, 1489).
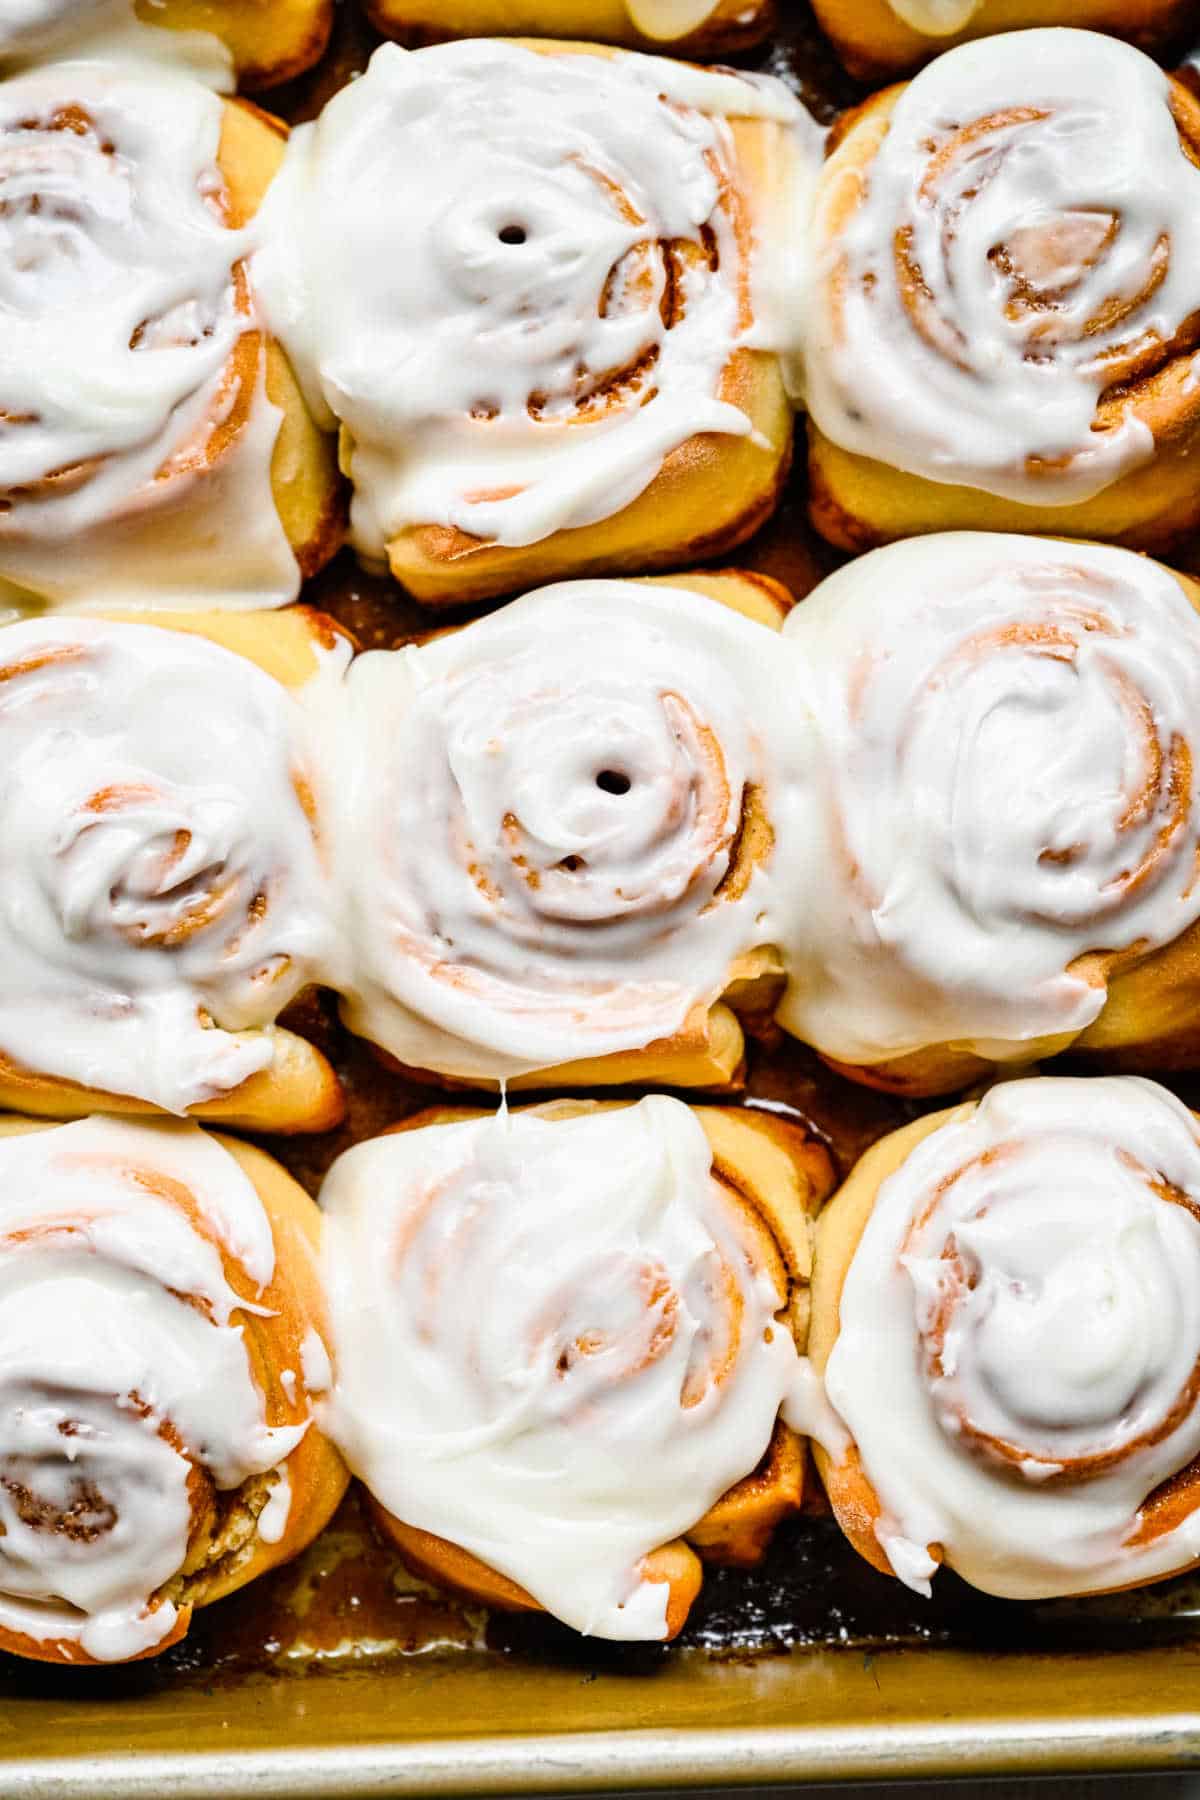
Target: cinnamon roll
point(1011, 809)
point(531, 286)
point(877, 39)
point(562, 1340)
point(1004, 320)
point(566, 831)
point(162, 1331)
point(165, 890)
point(1005, 1307)
point(258, 43)
point(691, 27)
point(153, 442)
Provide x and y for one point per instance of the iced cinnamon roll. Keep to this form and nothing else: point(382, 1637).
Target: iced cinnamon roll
point(1004, 317)
point(153, 442)
point(568, 833)
point(541, 290)
point(562, 1342)
point(165, 890)
point(256, 43)
point(1011, 810)
point(687, 27)
point(877, 39)
point(1005, 1307)
point(161, 1326)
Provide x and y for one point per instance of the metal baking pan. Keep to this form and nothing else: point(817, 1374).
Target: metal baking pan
point(341, 1675)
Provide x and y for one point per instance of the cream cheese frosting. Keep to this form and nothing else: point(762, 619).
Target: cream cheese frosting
point(1028, 236)
point(543, 825)
point(550, 1345)
point(163, 887)
point(122, 1367)
point(1009, 785)
point(517, 279)
point(1019, 1341)
point(126, 344)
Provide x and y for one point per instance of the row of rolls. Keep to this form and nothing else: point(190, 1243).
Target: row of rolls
point(576, 1351)
point(496, 355)
point(262, 43)
point(941, 819)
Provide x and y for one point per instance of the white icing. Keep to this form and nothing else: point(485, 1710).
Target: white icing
point(507, 910)
point(33, 29)
point(518, 1307)
point(1037, 182)
point(120, 311)
point(116, 1328)
point(158, 859)
point(806, 1410)
point(1067, 1331)
point(272, 1521)
point(314, 1363)
point(1006, 726)
point(466, 257)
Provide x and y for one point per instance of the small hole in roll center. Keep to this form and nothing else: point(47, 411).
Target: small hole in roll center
point(613, 781)
point(512, 234)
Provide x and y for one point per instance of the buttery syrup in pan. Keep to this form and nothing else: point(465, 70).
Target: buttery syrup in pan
point(348, 1599)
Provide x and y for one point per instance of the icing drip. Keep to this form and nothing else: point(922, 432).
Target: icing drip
point(1007, 728)
point(126, 1392)
point(127, 351)
point(1027, 239)
point(1019, 1353)
point(160, 864)
point(599, 830)
point(590, 277)
point(589, 1355)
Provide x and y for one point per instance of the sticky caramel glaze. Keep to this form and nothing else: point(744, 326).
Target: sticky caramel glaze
point(341, 1597)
